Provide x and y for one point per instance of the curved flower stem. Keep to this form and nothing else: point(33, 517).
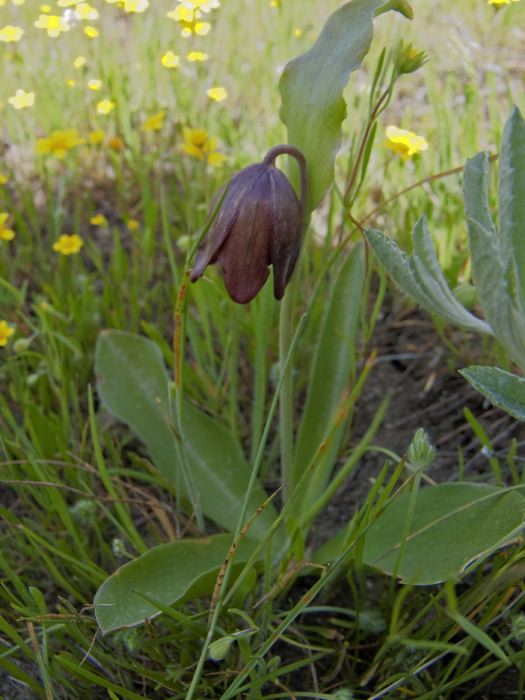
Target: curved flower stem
point(286, 408)
point(284, 149)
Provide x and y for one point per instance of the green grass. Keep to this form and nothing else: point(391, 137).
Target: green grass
point(79, 496)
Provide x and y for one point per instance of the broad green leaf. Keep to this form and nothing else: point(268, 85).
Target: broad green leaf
point(333, 363)
point(167, 574)
point(512, 203)
point(312, 87)
point(503, 389)
point(420, 276)
point(133, 385)
point(453, 525)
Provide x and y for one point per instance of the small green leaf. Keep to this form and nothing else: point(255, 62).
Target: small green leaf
point(333, 362)
point(219, 649)
point(165, 575)
point(312, 87)
point(133, 385)
point(512, 203)
point(503, 389)
point(452, 525)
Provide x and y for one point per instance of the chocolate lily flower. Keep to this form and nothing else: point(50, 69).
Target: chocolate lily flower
point(259, 223)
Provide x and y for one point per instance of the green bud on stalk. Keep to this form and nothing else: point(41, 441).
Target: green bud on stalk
point(259, 223)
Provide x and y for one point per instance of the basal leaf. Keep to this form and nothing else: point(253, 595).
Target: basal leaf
point(452, 525)
point(133, 385)
point(333, 362)
point(167, 574)
point(312, 87)
point(503, 389)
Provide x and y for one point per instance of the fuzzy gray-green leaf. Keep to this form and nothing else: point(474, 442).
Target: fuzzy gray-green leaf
point(512, 203)
point(503, 389)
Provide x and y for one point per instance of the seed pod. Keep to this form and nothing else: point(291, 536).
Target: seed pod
point(259, 223)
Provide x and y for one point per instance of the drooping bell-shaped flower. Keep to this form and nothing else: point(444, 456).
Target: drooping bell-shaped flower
point(259, 223)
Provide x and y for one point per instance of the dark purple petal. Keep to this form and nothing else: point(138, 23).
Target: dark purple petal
point(245, 255)
point(286, 233)
point(239, 186)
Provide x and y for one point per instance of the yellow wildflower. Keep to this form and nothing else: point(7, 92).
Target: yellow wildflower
point(6, 234)
point(96, 137)
point(404, 143)
point(197, 56)
point(9, 33)
point(105, 106)
point(198, 144)
point(135, 5)
point(79, 62)
point(53, 24)
point(297, 32)
point(45, 8)
point(217, 93)
point(58, 143)
point(132, 224)
point(5, 333)
point(70, 82)
point(116, 143)
point(94, 84)
point(84, 11)
point(170, 60)
point(68, 244)
point(22, 99)
point(155, 122)
point(189, 19)
point(3, 179)
point(98, 220)
point(91, 32)
point(501, 2)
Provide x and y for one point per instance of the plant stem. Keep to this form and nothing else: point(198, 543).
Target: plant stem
point(242, 517)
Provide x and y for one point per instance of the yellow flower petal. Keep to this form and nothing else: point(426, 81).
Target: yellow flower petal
point(68, 244)
point(5, 333)
point(170, 60)
point(105, 106)
point(217, 93)
point(22, 99)
point(9, 33)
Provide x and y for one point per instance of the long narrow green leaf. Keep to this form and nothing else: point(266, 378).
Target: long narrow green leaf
point(133, 384)
point(333, 363)
point(512, 203)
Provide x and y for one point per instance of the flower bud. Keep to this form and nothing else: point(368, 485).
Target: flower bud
point(408, 59)
point(259, 223)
